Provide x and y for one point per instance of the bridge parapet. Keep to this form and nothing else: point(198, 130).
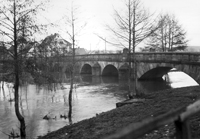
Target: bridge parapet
point(181, 57)
point(148, 57)
point(95, 57)
point(100, 57)
point(168, 57)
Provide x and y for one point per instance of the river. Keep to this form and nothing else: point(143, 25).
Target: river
point(92, 95)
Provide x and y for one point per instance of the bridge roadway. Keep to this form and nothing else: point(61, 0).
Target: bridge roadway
point(150, 65)
point(167, 57)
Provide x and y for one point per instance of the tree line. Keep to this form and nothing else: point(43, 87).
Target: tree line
point(134, 25)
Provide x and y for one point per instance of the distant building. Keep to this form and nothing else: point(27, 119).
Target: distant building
point(54, 45)
point(80, 51)
point(193, 49)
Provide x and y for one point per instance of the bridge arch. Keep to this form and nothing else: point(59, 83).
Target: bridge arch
point(86, 69)
point(148, 71)
point(155, 73)
point(110, 70)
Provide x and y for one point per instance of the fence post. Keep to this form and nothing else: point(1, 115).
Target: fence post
point(182, 129)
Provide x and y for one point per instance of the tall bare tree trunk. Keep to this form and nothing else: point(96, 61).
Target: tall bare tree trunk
point(70, 92)
point(70, 100)
point(129, 54)
point(72, 70)
point(134, 57)
point(16, 85)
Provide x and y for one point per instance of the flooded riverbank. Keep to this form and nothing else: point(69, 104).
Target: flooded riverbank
point(92, 95)
point(156, 104)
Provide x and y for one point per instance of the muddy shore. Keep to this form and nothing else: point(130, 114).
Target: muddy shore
point(155, 104)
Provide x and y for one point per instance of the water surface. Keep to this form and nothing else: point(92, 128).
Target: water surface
point(92, 95)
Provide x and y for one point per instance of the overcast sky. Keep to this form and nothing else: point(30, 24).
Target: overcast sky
point(98, 13)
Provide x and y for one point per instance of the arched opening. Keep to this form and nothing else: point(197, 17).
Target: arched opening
point(171, 76)
point(86, 69)
point(155, 74)
point(178, 78)
point(110, 70)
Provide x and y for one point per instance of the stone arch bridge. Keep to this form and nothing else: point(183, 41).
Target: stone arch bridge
point(150, 65)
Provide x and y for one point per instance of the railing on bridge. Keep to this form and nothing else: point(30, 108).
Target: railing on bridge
point(180, 117)
point(100, 57)
point(167, 57)
point(175, 57)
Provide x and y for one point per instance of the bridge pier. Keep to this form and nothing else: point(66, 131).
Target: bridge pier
point(96, 70)
point(124, 72)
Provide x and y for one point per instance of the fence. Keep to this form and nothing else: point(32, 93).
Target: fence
point(180, 117)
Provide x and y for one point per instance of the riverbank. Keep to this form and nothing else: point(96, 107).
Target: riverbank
point(155, 104)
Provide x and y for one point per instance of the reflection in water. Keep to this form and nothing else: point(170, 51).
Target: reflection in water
point(88, 79)
point(92, 95)
point(98, 80)
point(110, 80)
point(37, 102)
point(152, 86)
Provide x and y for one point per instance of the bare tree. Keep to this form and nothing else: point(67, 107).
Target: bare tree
point(72, 36)
point(169, 37)
point(74, 27)
point(17, 27)
point(133, 26)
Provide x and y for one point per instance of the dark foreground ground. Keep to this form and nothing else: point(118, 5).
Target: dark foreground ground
point(155, 104)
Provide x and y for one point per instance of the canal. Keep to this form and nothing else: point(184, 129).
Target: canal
point(92, 95)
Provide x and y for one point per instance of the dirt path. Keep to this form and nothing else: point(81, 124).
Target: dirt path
point(155, 104)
